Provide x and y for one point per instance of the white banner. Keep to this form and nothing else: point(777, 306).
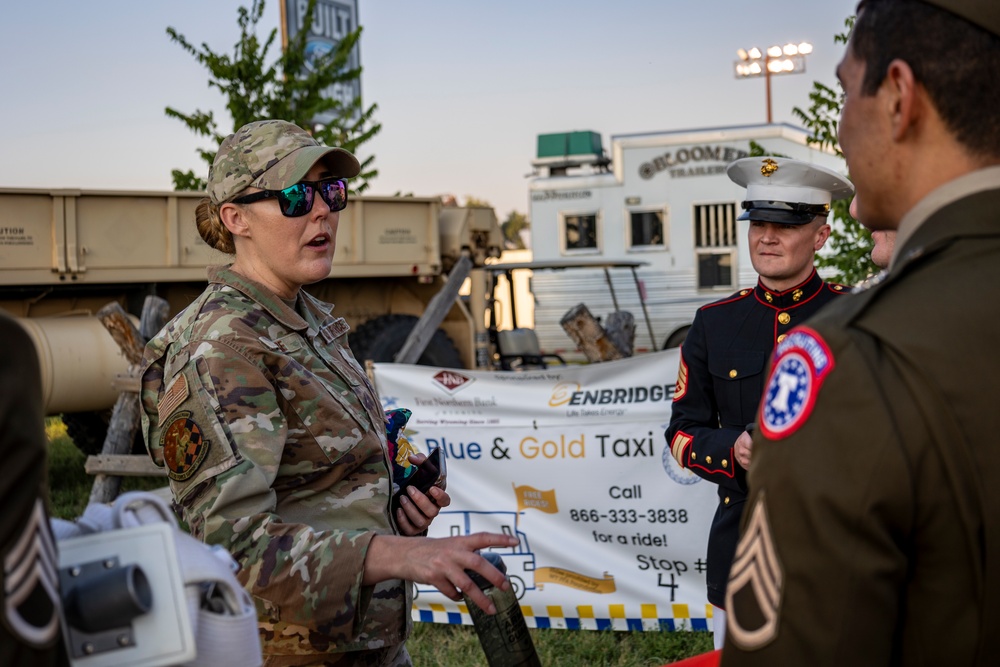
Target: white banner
point(569, 460)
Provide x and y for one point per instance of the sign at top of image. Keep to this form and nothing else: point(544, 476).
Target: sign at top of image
point(332, 21)
point(692, 161)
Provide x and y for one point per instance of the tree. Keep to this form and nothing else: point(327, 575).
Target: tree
point(850, 244)
point(285, 89)
point(475, 201)
point(512, 227)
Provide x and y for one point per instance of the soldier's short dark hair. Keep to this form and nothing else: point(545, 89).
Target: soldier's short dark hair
point(954, 60)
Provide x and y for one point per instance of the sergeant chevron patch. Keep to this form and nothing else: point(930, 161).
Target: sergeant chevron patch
point(31, 583)
point(682, 380)
point(801, 362)
point(756, 582)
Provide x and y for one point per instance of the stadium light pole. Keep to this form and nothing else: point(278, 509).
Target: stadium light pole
point(774, 61)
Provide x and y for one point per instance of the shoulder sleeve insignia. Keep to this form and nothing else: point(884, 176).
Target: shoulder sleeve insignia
point(756, 584)
point(801, 363)
point(682, 379)
point(184, 446)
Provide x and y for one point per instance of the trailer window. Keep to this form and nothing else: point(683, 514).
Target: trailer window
point(646, 229)
point(580, 231)
point(715, 244)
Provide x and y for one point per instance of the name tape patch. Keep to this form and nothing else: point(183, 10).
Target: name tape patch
point(801, 362)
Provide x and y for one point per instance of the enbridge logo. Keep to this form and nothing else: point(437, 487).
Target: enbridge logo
point(571, 393)
point(451, 381)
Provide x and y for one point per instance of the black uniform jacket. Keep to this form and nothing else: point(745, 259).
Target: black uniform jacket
point(872, 535)
point(719, 386)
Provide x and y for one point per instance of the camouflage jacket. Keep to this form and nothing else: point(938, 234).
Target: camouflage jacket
point(274, 443)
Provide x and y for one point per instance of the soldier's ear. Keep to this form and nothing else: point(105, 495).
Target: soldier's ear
point(900, 98)
point(822, 234)
point(235, 219)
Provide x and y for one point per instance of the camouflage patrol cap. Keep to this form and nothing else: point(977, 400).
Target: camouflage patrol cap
point(271, 155)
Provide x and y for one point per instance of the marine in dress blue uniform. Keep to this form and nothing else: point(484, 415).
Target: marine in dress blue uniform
point(724, 357)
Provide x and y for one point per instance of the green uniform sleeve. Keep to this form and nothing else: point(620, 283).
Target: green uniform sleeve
point(822, 554)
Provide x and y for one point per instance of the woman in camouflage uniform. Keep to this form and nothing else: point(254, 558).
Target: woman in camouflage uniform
point(273, 439)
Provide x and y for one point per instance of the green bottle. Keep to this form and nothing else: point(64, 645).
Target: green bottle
point(503, 636)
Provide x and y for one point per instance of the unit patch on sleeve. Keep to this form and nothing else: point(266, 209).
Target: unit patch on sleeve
point(184, 446)
point(801, 362)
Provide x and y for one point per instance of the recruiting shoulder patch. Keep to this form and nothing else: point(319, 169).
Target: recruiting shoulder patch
point(801, 362)
point(184, 446)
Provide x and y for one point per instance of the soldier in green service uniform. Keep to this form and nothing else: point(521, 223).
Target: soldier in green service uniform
point(871, 535)
point(29, 582)
point(272, 436)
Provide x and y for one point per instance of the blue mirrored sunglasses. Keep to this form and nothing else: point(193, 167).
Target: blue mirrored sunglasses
point(297, 200)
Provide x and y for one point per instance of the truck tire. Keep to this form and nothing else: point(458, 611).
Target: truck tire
point(381, 338)
point(87, 430)
point(677, 338)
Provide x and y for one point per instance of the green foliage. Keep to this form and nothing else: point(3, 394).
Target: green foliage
point(512, 227)
point(848, 250)
point(458, 646)
point(284, 89)
point(475, 201)
point(69, 483)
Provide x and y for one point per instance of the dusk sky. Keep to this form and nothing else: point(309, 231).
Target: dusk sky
point(463, 87)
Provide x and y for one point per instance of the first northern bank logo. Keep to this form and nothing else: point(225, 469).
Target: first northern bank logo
point(451, 381)
point(574, 394)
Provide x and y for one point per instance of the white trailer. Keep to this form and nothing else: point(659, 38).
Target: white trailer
point(662, 198)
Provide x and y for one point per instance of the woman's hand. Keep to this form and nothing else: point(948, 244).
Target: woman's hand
point(416, 509)
point(440, 562)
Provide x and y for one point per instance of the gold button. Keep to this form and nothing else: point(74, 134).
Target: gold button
point(838, 287)
point(782, 337)
point(694, 455)
point(726, 501)
point(784, 318)
point(733, 373)
point(744, 292)
point(708, 459)
point(725, 463)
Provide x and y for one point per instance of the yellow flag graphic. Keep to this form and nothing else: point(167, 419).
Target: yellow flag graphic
point(528, 497)
point(581, 582)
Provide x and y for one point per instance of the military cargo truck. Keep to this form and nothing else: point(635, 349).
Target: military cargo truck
point(66, 253)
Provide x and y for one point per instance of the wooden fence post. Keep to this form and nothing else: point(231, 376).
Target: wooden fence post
point(125, 416)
